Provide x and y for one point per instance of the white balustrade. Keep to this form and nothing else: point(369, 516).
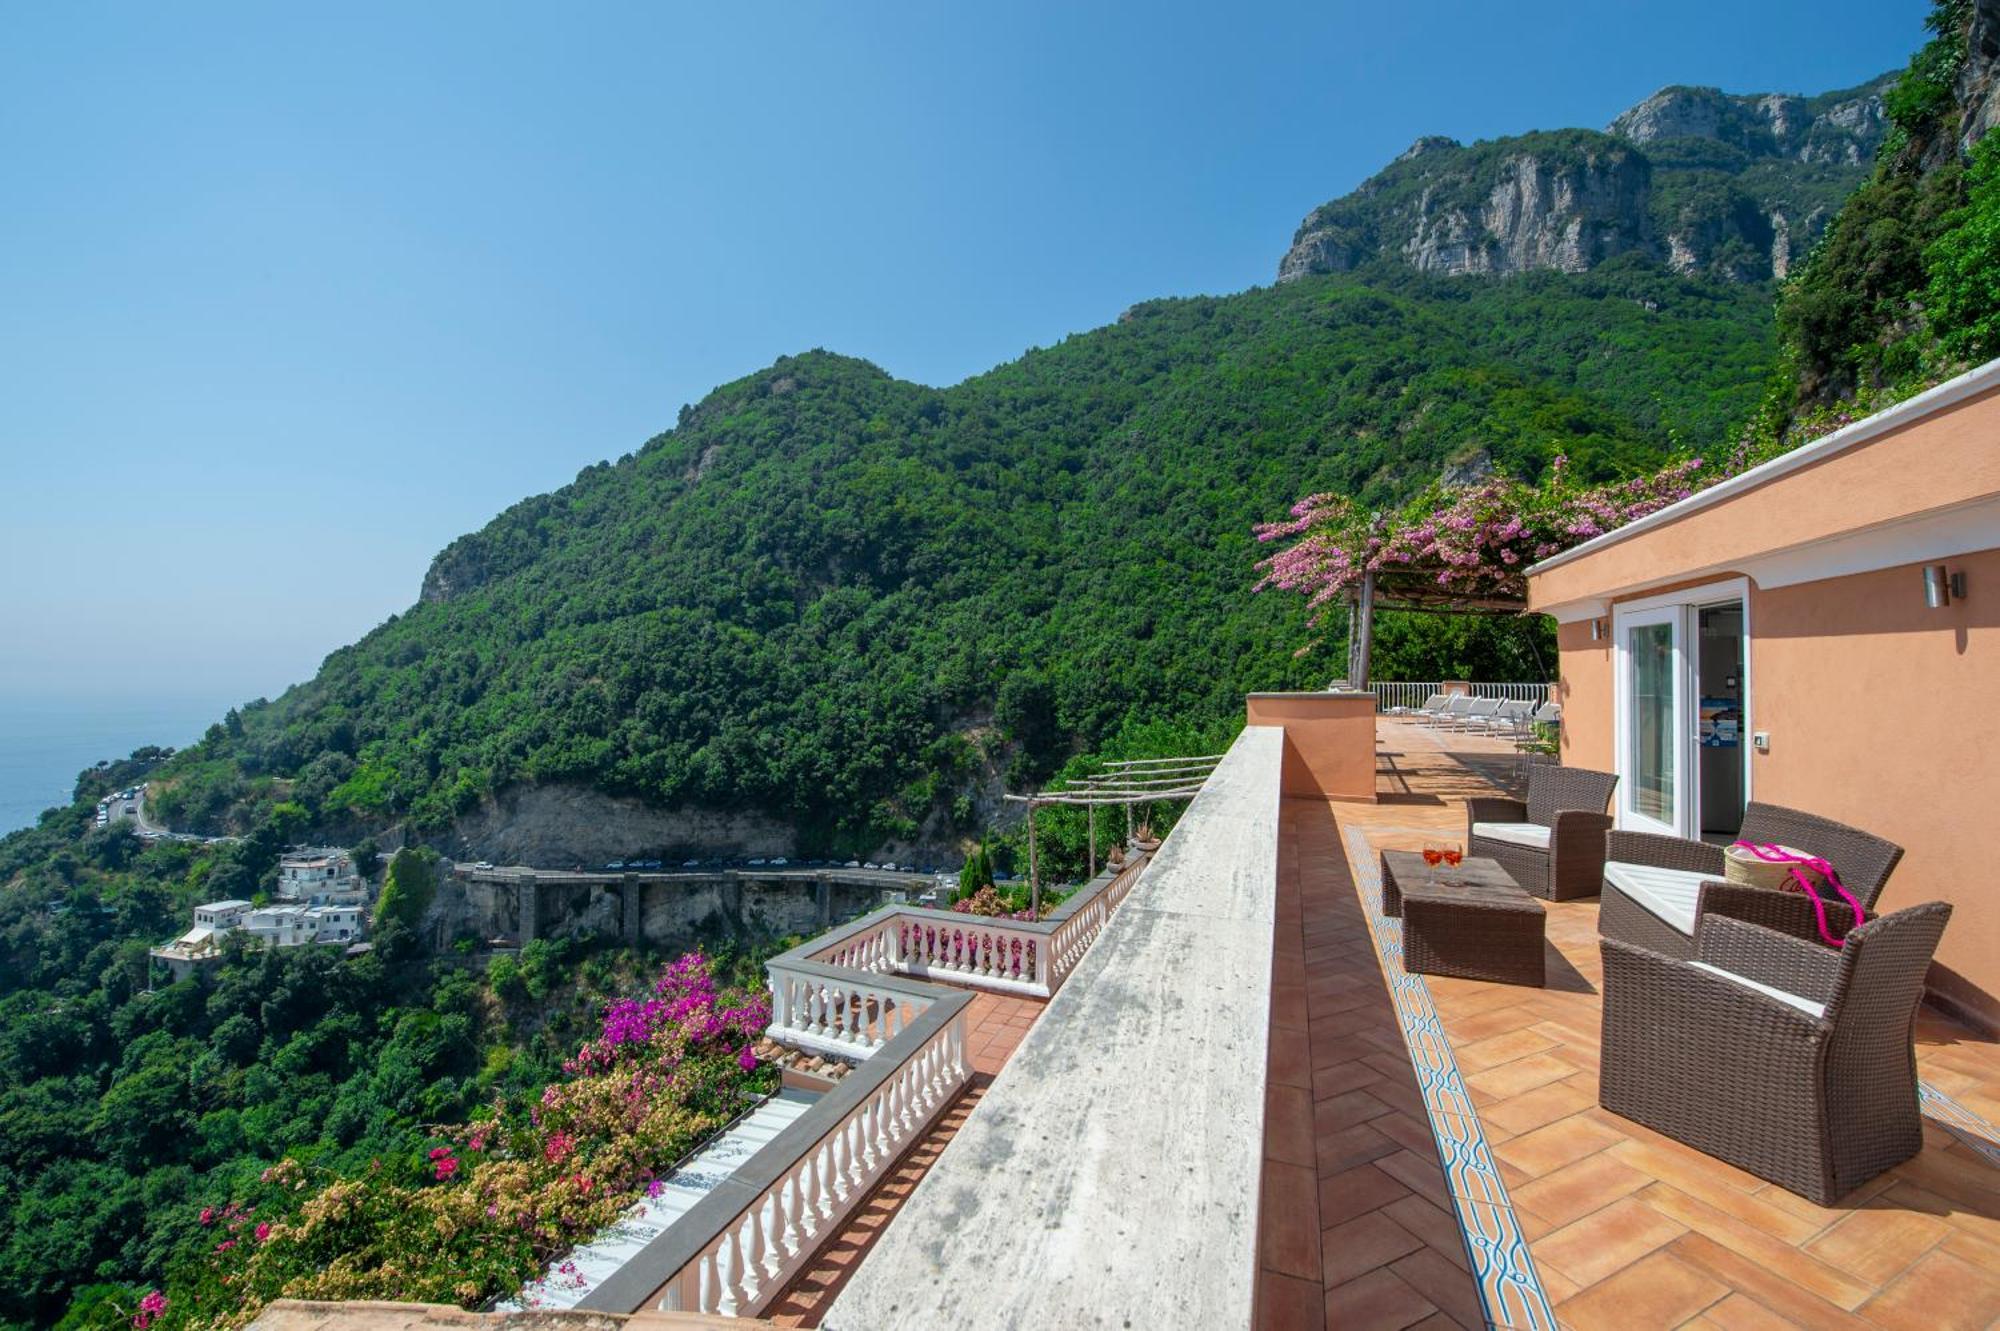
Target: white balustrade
point(745, 1266)
point(839, 1012)
point(977, 950)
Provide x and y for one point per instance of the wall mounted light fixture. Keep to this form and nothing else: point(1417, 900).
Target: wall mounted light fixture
point(1940, 586)
point(1597, 630)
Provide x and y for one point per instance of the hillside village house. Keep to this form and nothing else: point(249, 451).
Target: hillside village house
point(289, 926)
point(202, 944)
point(1821, 632)
point(320, 876)
point(284, 925)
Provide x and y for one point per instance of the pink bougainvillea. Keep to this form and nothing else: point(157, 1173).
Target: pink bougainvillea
point(1472, 542)
point(485, 1205)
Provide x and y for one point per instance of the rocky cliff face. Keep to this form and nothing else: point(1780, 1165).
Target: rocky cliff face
point(1978, 85)
point(1735, 186)
point(1842, 129)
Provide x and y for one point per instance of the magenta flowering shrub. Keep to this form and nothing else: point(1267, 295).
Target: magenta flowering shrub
point(485, 1208)
point(1471, 542)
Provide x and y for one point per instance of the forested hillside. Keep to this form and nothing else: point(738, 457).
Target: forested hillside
point(839, 597)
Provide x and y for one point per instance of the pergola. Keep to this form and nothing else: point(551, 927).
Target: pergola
point(1412, 588)
point(1129, 782)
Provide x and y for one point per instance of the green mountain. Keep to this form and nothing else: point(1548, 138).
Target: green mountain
point(853, 603)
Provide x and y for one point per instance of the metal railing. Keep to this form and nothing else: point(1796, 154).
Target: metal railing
point(1405, 693)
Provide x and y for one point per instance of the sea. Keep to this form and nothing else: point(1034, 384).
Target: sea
point(46, 740)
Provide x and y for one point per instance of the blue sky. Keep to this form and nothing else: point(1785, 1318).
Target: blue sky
point(291, 296)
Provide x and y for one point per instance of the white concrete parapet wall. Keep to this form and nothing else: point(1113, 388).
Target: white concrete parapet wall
point(1110, 1175)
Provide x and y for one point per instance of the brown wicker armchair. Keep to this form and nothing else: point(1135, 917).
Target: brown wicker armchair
point(1657, 888)
point(1788, 1059)
point(1552, 842)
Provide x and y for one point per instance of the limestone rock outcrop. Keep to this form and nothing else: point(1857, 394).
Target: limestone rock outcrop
point(1738, 187)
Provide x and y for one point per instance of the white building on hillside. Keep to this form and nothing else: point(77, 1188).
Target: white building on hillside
point(320, 876)
point(222, 915)
point(202, 945)
point(292, 926)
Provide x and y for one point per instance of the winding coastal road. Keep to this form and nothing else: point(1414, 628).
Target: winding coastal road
point(148, 830)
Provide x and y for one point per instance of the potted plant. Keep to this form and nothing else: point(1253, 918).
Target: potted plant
point(1143, 838)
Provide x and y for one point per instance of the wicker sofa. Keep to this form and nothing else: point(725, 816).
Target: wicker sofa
point(1553, 841)
point(1789, 1059)
point(1657, 888)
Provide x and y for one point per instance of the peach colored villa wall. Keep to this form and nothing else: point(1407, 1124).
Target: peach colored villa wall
point(1929, 464)
point(1882, 713)
point(1329, 742)
point(1875, 718)
point(1879, 716)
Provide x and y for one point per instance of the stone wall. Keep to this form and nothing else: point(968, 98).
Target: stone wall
point(670, 914)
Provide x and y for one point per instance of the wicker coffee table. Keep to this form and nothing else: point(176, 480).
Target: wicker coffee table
point(1474, 921)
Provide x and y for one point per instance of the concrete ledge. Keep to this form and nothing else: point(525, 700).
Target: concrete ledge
point(1329, 741)
point(366, 1315)
point(1110, 1175)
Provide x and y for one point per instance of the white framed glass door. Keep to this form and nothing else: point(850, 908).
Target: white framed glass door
point(1655, 789)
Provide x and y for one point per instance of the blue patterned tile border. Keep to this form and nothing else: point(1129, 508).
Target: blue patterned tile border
point(1960, 1122)
point(1509, 1286)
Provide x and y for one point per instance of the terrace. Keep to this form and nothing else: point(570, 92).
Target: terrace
point(1209, 1095)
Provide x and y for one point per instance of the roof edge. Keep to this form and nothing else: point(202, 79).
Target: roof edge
point(1927, 403)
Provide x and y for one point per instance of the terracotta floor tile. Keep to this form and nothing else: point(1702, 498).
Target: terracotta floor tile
point(1419, 1174)
point(1288, 1221)
point(1504, 1048)
point(1657, 1291)
point(1961, 1218)
point(1606, 1241)
point(1544, 1104)
point(1803, 1270)
point(1575, 1190)
point(1288, 1125)
point(1362, 1244)
point(1721, 1186)
point(1345, 1110)
point(1487, 1025)
point(1984, 1255)
point(1443, 1283)
point(1400, 1093)
point(1771, 1288)
point(1554, 1145)
point(1342, 1077)
point(1380, 1300)
point(1412, 1132)
point(1431, 1223)
point(1876, 1244)
point(1442, 1322)
point(1343, 1150)
point(1740, 1312)
point(1288, 1062)
point(1354, 1192)
point(1288, 1304)
point(1939, 1293)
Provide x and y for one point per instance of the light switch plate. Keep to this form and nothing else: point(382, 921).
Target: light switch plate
point(1761, 741)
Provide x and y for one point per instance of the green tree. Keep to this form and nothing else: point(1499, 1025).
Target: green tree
point(407, 890)
point(1963, 297)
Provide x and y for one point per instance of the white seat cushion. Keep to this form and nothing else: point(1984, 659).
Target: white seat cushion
point(1521, 834)
point(1668, 893)
point(1805, 1005)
